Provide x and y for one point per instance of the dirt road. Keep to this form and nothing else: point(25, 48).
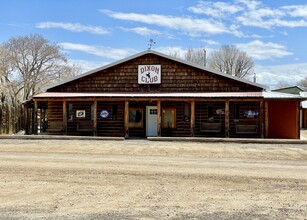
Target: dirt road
point(139, 179)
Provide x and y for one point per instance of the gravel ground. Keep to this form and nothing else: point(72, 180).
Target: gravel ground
point(140, 179)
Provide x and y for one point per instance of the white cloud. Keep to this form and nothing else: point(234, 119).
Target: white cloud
point(178, 51)
point(210, 42)
point(215, 9)
point(274, 76)
point(88, 65)
point(106, 52)
point(144, 31)
point(188, 25)
point(258, 15)
point(74, 27)
point(259, 50)
point(296, 10)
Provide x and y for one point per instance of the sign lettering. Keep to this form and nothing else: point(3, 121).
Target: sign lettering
point(149, 74)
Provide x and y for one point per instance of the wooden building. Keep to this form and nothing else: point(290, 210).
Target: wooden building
point(152, 94)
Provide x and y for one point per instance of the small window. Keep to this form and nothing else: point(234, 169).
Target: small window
point(186, 112)
point(169, 118)
point(236, 112)
point(210, 113)
point(114, 112)
point(136, 118)
point(153, 111)
point(70, 115)
point(92, 112)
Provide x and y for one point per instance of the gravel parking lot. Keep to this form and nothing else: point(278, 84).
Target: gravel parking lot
point(140, 179)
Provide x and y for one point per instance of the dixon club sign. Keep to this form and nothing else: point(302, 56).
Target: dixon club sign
point(149, 74)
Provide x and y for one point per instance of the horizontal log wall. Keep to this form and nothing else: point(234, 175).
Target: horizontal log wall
point(182, 124)
point(114, 124)
point(55, 113)
point(202, 116)
point(233, 121)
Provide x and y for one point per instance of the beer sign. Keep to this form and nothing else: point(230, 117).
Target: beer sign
point(149, 74)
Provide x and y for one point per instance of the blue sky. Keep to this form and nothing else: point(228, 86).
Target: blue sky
point(94, 33)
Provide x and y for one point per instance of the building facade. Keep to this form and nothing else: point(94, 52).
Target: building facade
point(152, 94)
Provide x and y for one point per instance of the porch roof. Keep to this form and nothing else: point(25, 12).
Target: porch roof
point(151, 95)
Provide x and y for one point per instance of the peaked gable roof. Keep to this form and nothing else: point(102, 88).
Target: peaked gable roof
point(161, 55)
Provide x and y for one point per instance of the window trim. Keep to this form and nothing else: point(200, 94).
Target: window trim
point(175, 117)
point(136, 124)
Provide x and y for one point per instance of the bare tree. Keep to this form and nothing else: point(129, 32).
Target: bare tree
point(197, 56)
point(232, 61)
point(303, 83)
point(35, 62)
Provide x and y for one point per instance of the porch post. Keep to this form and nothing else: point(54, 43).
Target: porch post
point(65, 116)
point(266, 119)
point(227, 118)
point(26, 119)
point(261, 119)
point(95, 117)
point(159, 118)
point(35, 122)
point(298, 130)
point(192, 117)
point(126, 118)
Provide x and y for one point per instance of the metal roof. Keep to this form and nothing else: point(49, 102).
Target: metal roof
point(151, 95)
point(280, 95)
point(161, 55)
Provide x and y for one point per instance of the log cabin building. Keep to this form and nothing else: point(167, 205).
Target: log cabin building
point(152, 94)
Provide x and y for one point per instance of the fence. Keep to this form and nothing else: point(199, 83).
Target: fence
point(11, 118)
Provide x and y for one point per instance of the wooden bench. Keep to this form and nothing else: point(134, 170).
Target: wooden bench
point(246, 129)
point(85, 126)
point(55, 126)
point(210, 127)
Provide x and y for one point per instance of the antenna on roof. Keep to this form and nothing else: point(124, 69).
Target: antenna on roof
point(151, 43)
point(255, 77)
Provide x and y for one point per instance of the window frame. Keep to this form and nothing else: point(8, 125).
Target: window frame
point(139, 124)
point(174, 117)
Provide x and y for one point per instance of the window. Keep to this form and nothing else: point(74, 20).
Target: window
point(186, 112)
point(236, 112)
point(70, 115)
point(114, 112)
point(210, 113)
point(168, 118)
point(136, 118)
point(92, 112)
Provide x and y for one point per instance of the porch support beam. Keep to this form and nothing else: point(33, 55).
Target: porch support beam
point(126, 118)
point(266, 119)
point(192, 126)
point(159, 118)
point(262, 119)
point(35, 121)
point(227, 118)
point(95, 117)
point(65, 116)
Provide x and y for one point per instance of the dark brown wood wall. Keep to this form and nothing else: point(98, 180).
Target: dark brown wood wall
point(113, 126)
point(242, 120)
point(201, 116)
point(73, 123)
point(176, 77)
point(182, 128)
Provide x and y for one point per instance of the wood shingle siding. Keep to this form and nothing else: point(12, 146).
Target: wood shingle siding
point(177, 77)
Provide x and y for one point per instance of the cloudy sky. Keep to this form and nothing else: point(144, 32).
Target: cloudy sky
point(96, 32)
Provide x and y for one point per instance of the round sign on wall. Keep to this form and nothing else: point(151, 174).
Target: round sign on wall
point(104, 114)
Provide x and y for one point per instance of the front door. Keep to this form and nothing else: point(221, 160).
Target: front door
point(151, 121)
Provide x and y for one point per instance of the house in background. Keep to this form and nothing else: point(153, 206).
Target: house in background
point(153, 94)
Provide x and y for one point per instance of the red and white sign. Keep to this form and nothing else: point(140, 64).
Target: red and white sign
point(149, 74)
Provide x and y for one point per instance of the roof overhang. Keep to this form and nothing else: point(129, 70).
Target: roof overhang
point(151, 95)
